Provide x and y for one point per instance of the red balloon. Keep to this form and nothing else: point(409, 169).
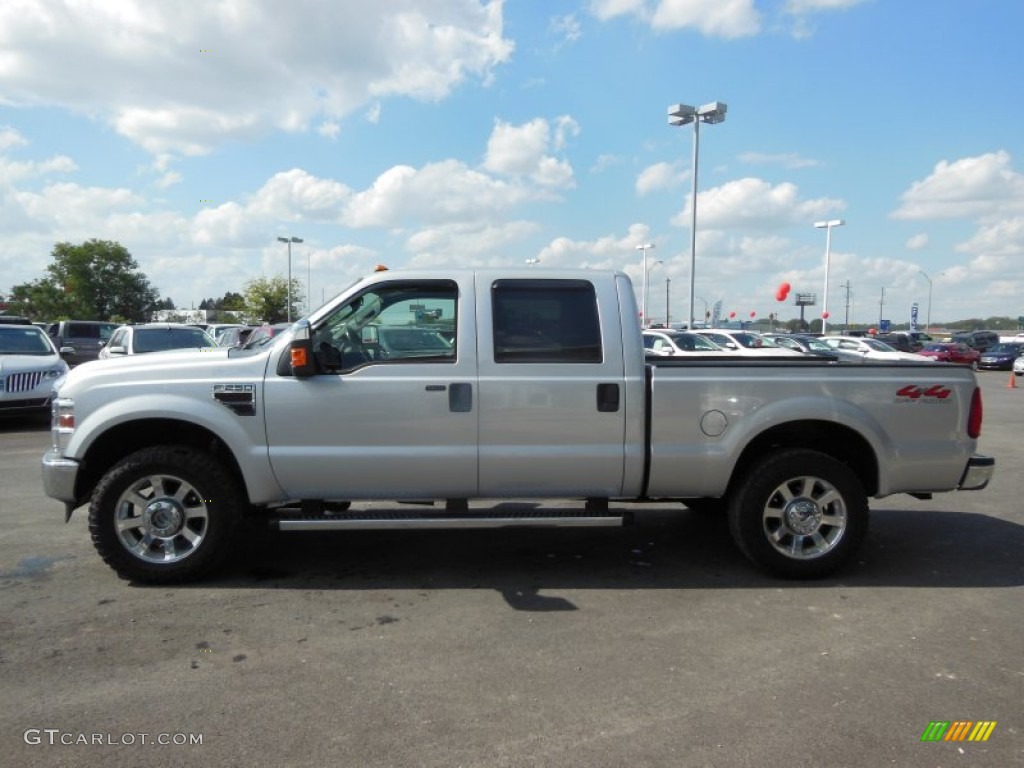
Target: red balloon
point(753, 313)
point(786, 287)
point(780, 295)
point(732, 314)
point(825, 315)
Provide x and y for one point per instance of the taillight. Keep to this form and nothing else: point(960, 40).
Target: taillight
point(974, 417)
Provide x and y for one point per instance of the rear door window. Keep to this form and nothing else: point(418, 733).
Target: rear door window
point(546, 321)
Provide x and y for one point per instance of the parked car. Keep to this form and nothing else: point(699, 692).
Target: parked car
point(979, 340)
point(919, 339)
point(30, 368)
point(80, 341)
point(899, 340)
point(951, 352)
point(1018, 366)
point(234, 337)
point(1000, 357)
point(809, 345)
point(388, 342)
point(747, 344)
point(264, 334)
point(872, 349)
point(217, 329)
point(155, 337)
point(668, 342)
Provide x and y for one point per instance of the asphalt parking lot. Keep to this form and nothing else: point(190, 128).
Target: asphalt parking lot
point(655, 645)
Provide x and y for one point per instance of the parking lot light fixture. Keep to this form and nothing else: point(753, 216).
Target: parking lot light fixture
point(683, 114)
point(643, 289)
point(289, 241)
point(827, 226)
point(928, 317)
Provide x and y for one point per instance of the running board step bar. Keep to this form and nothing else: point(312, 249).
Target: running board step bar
point(367, 521)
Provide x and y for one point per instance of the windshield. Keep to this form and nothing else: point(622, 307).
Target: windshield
point(160, 339)
point(1005, 349)
point(24, 341)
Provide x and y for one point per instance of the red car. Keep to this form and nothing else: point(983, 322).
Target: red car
point(951, 352)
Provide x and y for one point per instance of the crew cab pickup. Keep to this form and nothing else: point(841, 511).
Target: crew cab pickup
point(487, 385)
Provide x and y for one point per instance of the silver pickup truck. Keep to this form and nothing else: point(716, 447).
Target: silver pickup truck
point(486, 385)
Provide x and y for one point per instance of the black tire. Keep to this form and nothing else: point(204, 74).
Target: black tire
point(799, 514)
point(165, 514)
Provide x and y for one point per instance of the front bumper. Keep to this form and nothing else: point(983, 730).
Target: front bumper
point(59, 476)
point(977, 474)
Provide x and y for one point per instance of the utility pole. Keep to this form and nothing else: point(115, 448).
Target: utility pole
point(846, 325)
point(668, 323)
point(881, 304)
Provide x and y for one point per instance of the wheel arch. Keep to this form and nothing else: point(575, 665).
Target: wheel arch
point(127, 437)
point(840, 442)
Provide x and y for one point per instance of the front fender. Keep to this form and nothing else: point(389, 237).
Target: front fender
point(244, 435)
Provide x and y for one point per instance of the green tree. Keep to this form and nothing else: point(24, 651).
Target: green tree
point(266, 299)
point(96, 280)
point(39, 300)
point(231, 302)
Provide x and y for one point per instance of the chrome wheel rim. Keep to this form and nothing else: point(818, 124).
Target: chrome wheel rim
point(161, 519)
point(804, 518)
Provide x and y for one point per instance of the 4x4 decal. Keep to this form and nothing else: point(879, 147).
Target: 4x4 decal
point(914, 392)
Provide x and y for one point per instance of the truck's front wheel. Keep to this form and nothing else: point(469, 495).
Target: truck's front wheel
point(799, 514)
point(164, 514)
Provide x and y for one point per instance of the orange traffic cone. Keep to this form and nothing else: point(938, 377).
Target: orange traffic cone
point(1013, 381)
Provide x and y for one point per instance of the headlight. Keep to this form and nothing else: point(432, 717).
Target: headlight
point(62, 412)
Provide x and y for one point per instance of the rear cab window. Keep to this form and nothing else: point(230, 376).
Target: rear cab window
point(545, 321)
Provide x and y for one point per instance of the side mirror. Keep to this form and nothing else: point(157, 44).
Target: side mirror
point(65, 351)
point(117, 351)
point(300, 352)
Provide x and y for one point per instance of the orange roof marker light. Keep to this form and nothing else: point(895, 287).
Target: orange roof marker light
point(380, 268)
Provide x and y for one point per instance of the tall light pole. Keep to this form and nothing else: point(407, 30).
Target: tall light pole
point(928, 317)
point(290, 240)
point(683, 114)
point(827, 226)
point(643, 292)
point(668, 323)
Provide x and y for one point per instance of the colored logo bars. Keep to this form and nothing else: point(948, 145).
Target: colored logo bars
point(958, 730)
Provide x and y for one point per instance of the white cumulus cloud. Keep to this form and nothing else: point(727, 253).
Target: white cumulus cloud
point(965, 188)
point(755, 204)
point(182, 77)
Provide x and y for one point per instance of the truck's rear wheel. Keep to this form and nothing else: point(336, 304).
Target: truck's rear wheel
point(164, 514)
point(799, 514)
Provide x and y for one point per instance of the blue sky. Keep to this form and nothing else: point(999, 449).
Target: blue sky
point(473, 133)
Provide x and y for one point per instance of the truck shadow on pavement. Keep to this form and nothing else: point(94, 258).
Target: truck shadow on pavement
point(663, 550)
